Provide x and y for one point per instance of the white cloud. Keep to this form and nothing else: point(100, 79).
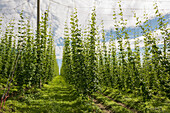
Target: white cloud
point(61, 9)
point(59, 52)
point(141, 44)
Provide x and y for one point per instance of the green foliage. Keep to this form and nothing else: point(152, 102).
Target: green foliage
point(55, 97)
point(24, 62)
point(121, 68)
point(76, 60)
point(155, 105)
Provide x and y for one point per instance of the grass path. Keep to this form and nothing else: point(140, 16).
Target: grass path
point(56, 97)
point(102, 107)
point(121, 104)
point(59, 97)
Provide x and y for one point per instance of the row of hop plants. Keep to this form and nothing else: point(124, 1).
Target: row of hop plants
point(26, 59)
point(89, 64)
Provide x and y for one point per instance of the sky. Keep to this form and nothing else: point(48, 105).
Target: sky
point(60, 10)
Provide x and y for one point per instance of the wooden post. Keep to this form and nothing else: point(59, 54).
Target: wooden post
point(38, 17)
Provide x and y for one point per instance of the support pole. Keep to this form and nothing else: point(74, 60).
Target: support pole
point(38, 17)
point(38, 41)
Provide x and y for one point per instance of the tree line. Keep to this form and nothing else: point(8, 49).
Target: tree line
point(91, 63)
point(26, 59)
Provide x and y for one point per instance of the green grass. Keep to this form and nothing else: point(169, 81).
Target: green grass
point(56, 97)
point(113, 106)
point(154, 105)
